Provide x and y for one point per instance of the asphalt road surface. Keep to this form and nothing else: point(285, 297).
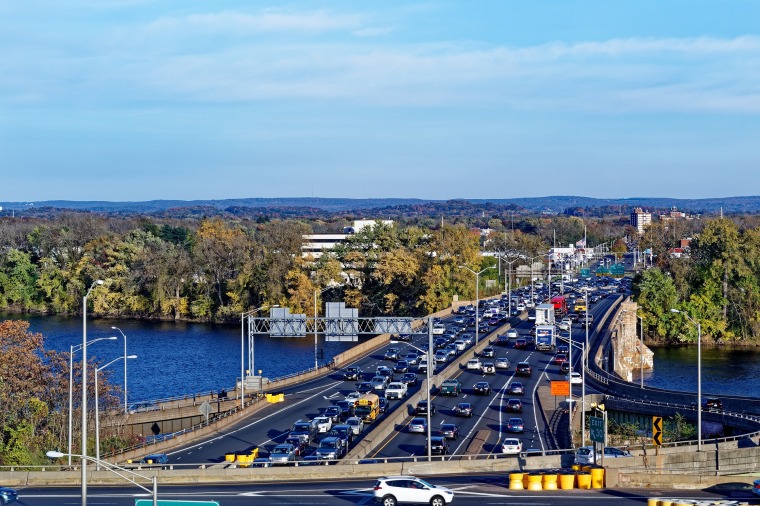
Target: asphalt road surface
point(481, 490)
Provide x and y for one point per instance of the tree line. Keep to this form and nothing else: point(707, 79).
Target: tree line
point(214, 270)
point(717, 283)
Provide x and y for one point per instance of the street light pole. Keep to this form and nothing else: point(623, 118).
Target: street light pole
point(72, 350)
point(477, 297)
point(84, 390)
point(641, 351)
point(117, 470)
point(125, 366)
point(430, 363)
point(509, 288)
point(699, 376)
point(97, 410)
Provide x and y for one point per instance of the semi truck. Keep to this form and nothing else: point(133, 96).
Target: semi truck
point(546, 339)
point(560, 305)
point(544, 314)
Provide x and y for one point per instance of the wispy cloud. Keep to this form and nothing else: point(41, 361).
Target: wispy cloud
point(283, 54)
point(267, 21)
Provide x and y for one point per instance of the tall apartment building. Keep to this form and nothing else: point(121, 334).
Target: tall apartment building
point(640, 220)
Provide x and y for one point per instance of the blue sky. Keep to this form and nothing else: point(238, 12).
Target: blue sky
point(127, 100)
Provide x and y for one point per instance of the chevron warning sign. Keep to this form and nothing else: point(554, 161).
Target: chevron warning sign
point(657, 430)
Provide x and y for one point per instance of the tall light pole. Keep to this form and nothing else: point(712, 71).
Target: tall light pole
point(641, 350)
point(509, 287)
point(123, 335)
point(430, 363)
point(584, 354)
point(477, 297)
point(97, 409)
point(699, 376)
point(119, 471)
point(72, 350)
point(84, 390)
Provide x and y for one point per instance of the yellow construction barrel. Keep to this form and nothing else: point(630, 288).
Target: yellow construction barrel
point(597, 477)
point(516, 481)
point(534, 481)
point(567, 481)
point(550, 481)
point(584, 480)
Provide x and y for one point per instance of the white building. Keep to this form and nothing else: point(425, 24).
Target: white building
point(315, 245)
point(640, 220)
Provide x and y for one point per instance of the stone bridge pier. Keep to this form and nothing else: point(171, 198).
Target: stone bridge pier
point(630, 353)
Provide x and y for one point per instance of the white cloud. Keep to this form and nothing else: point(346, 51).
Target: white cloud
point(267, 21)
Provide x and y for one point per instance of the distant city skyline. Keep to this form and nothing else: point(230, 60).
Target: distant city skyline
point(137, 100)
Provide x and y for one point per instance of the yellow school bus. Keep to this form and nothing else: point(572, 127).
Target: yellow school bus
point(367, 407)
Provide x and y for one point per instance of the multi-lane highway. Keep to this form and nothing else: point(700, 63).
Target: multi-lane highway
point(489, 411)
point(270, 425)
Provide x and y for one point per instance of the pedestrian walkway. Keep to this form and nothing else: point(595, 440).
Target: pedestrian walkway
point(556, 418)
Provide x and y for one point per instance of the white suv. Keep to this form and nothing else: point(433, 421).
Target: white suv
point(392, 490)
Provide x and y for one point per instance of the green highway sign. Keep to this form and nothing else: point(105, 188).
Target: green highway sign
point(596, 426)
point(164, 502)
point(617, 270)
point(602, 271)
point(585, 273)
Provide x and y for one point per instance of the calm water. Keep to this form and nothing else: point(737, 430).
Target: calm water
point(724, 372)
point(178, 358)
point(184, 358)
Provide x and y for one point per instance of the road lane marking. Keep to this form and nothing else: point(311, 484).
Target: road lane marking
point(226, 434)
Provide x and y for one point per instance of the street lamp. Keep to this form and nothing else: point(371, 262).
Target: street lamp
point(430, 363)
point(477, 297)
point(117, 470)
point(72, 350)
point(699, 376)
point(509, 287)
point(641, 350)
point(125, 366)
point(583, 373)
point(97, 410)
point(84, 390)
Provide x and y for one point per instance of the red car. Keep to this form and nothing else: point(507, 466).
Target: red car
point(521, 344)
point(559, 358)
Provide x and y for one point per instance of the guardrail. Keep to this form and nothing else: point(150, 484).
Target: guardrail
point(150, 441)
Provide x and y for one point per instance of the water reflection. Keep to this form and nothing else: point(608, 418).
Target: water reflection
point(179, 358)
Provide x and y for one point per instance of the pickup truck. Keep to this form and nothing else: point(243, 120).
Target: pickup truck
point(451, 387)
point(395, 390)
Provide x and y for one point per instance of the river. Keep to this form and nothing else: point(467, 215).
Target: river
point(178, 358)
point(725, 371)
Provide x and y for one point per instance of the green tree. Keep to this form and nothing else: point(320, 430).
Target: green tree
point(19, 279)
point(656, 295)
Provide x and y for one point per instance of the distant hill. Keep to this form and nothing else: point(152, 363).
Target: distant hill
point(310, 206)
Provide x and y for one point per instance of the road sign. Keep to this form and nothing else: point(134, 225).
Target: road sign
point(617, 270)
point(205, 409)
point(162, 502)
point(560, 388)
point(657, 430)
point(585, 273)
point(596, 426)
